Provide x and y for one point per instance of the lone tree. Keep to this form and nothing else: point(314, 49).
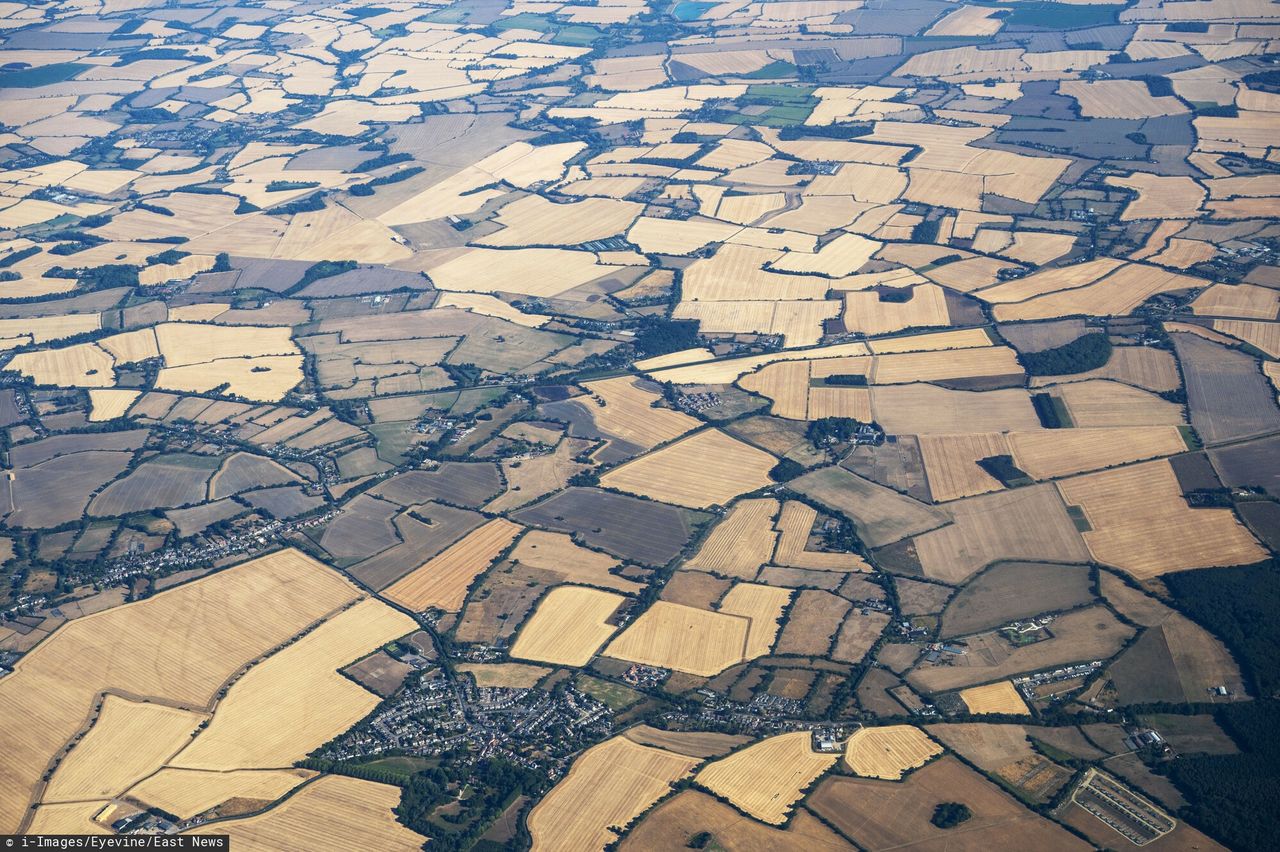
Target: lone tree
point(950, 814)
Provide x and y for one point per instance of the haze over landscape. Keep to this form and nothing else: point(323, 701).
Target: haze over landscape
point(641, 425)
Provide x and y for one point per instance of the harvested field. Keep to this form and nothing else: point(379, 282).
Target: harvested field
point(1061, 452)
point(695, 588)
point(1086, 634)
point(890, 752)
point(1141, 524)
point(741, 543)
point(537, 476)
point(812, 624)
point(504, 675)
point(999, 697)
point(1025, 523)
point(1147, 368)
point(767, 778)
point(1175, 661)
point(128, 649)
point(858, 635)
point(127, 741)
point(1012, 590)
point(163, 482)
point(1228, 396)
point(881, 515)
point(794, 526)
point(706, 469)
point(867, 312)
point(691, 743)
point(568, 627)
point(1108, 404)
point(646, 532)
point(108, 403)
point(295, 700)
point(556, 552)
point(462, 484)
point(674, 824)
point(763, 607)
point(951, 462)
point(608, 785)
point(1116, 294)
point(883, 815)
point(430, 529)
point(922, 409)
point(244, 471)
point(679, 637)
point(333, 811)
point(362, 529)
point(188, 792)
point(916, 597)
point(989, 746)
point(442, 582)
point(57, 491)
point(628, 413)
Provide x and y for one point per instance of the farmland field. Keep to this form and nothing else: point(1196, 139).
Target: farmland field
point(766, 778)
point(568, 627)
point(690, 640)
point(890, 752)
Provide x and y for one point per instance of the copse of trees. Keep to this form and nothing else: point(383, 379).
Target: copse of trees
point(950, 814)
point(662, 336)
point(1085, 353)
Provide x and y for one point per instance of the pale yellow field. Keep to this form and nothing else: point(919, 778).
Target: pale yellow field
point(737, 273)
point(491, 306)
point(71, 818)
point(1115, 295)
point(1062, 452)
point(442, 581)
point(842, 256)
point(628, 413)
point(262, 379)
point(703, 470)
point(332, 812)
point(46, 329)
point(922, 409)
point(840, 402)
point(680, 637)
point(608, 785)
point(1263, 335)
point(865, 312)
point(568, 627)
point(676, 237)
point(1119, 99)
point(741, 543)
point(1160, 197)
point(1143, 366)
point(888, 753)
point(108, 403)
point(83, 365)
point(999, 697)
point(964, 338)
point(932, 366)
point(556, 552)
point(531, 271)
point(131, 346)
point(726, 370)
point(1142, 524)
point(506, 675)
point(784, 382)
point(763, 606)
point(765, 779)
point(795, 522)
point(228, 619)
point(533, 220)
point(188, 792)
point(967, 21)
point(1098, 402)
point(1050, 281)
point(799, 322)
point(183, 343)
point(1245, 301)
point(295, 700)
point(951, 463)
point(180, 271)
point(127, 741)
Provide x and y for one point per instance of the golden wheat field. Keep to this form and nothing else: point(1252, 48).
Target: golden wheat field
point(705, 469)
point(741, 543)
point(84, 365)
point(229, 619)
point(951, 463)
point(794, 524)
point(866, 312)
point(1142, 524)
point(627, 413)
point(127, 741)
point(261, 379)
point(568, 627)
point(295, 700)
point(608, 786)
point(999, 697)
point(1062, 452)
point(109, 403)
point(443, 580)
point(1103, 403)
point(332, 812)
point(71, 818)
point(786, 383)
point(890, 752)
point(681, 637)
point(188, 792)
point(763, 605)
point(765, 779)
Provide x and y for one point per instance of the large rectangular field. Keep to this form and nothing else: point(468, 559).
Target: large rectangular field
point(443, 581)
point(706, 469)
point(568, 627)
point(680, 637)
point(638, 530)
point(741, 543)
point(767, 778)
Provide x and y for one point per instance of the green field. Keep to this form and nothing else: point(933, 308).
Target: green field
point(34, 78)
point(615, 695)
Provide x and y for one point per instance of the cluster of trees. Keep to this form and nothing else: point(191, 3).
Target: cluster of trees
point(950, 814)
point(1003, 469)
point(366, 188)
point(1085, 353)
point(833, 430)
point(661, 336)
point(494, 785)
